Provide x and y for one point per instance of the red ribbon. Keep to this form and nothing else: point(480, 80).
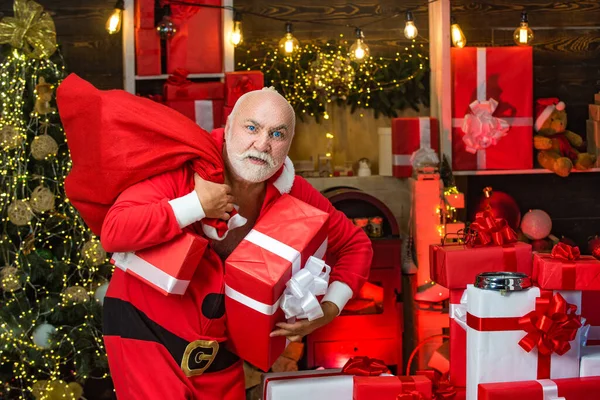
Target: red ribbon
point(489, 230)
point(365, 366)
point(550, 328)
point(179, 78)
point(563, 251)
point(412, 395)
point(409, 389)
point(442, 388)
point(242, 85)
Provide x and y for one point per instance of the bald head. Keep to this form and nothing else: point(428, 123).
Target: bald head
point(258, 134)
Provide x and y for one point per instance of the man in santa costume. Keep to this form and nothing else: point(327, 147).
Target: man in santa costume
point(147, 334)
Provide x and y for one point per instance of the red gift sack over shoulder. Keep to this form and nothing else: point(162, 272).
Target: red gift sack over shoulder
point(117, 139)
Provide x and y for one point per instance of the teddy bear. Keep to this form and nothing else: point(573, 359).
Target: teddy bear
point(556, 145)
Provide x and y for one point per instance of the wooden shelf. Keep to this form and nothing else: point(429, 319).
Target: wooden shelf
point(190, 76)
point(514, 172)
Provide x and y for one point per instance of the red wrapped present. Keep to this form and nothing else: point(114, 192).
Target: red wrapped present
point(591, 312)
point(197, 46)
point(391, 388)
point(544, 389)
point(143, 14)
point(455, 266)
point(206, 113)
point(241, 82)
point(147, 52)
point(492, 108)
point(566, 269)
point(261, 266)
point(179, 87)
point(408, 136)
point(168, 267)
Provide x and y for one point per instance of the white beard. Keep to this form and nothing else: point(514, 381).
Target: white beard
point(250, 172)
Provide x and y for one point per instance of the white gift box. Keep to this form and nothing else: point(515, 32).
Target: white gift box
point(590, 361)
point(494, 355)
point(325, 384)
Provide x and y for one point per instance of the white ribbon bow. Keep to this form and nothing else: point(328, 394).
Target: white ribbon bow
point(424, 157)
point(459, 311)
point(299, 297)
point(481, 129)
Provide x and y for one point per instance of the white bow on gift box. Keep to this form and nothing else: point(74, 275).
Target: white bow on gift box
point(300, 296)
point(481, 128)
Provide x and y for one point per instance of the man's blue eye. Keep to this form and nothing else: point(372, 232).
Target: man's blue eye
point(251, 128)
point(277, 134)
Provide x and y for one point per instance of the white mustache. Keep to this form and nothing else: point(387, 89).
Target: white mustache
point(260, 155)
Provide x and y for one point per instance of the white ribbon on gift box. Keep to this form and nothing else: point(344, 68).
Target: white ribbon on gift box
point(299, 298)
point(481, 97)
point(307, 289)
point(203, 111)
point(424, 140)
point(550, 389)
point(142, 268)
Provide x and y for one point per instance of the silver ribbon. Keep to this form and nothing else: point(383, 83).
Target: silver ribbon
point(300, 295)
point(481, 128)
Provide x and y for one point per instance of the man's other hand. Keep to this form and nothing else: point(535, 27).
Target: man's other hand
point(216, 199)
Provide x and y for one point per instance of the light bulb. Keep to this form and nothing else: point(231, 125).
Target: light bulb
point(523, 35)
point(458, 37)
point(236, 33)
point(288, 44)
point(359, 50)
point(113, 24)
point(410, 30)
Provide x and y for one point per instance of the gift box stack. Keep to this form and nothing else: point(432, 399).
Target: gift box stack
point(147, 41)
point(593, 129)
point(492, 108)
point(529, 340)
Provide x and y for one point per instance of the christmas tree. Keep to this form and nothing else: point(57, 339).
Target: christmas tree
point(53, 271)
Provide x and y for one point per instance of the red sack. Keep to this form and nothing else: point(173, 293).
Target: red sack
point(117, 139)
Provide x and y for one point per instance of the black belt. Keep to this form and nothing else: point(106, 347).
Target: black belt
point(122, 319)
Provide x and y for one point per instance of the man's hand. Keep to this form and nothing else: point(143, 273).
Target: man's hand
point(296, 331)
point(216, 199)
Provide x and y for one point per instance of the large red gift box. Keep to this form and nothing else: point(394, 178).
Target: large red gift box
point(167, 267)
point(178, 87)
point(198, 44)
point(147, 52)
point(241, 82)
point(144, 14)
point(257, 271)
point(390, 387)
point(492, 108)
point(455, 266)
point(543, 389)
point(408, 136)
point(565, 269)
point(202, 102)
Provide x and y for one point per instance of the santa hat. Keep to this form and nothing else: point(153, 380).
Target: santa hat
point(544, 108)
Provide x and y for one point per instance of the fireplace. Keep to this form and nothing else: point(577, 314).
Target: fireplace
point(372, 322)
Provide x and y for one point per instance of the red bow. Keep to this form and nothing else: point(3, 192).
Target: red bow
point(179, 78)
point(412, 395)
point(551, 326)
point(442, 389)
point(563, 251)
point(365, 366)
point(489, 230)
point(243, 85)
point(549, 101)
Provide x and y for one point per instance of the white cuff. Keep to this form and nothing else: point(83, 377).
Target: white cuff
point(339, 294)
point(187, 209)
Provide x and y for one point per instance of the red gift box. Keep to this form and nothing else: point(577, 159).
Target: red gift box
point(390, 387)
point(408, 136)
point(167, 267)
point(198, 44)
point(144, 14)
point(455, 266)
point(544, 389)
point(178, 87)
point(147, 52)
point(257, 271)
point(481, 77)
point(241, 82)
point(558, 271)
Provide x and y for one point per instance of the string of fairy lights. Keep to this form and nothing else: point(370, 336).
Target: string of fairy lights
point(41, 233)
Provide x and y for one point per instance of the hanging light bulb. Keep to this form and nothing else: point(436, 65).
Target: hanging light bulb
point(410, 30)
point(288, 44)
point(166, 28)
point(458, 37)
point(359, 50)
point(113, 24)
point(523, 35)
point(236, 34)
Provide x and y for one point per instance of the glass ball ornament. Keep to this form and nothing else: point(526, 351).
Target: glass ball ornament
point(166, 28)
point(41, 335)
point(536, 224)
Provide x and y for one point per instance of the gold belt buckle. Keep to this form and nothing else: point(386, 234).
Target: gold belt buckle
point(198, 356)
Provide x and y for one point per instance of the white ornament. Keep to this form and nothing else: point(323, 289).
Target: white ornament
point(41, 335)
point(364, 169)
point(100, 293)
